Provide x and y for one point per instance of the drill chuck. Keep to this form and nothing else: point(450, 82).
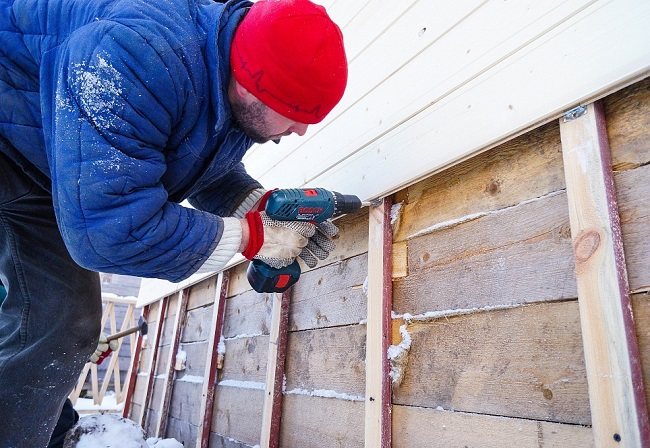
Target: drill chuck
point(345, 203)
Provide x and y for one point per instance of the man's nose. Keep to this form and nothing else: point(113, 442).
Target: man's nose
point(299, 128)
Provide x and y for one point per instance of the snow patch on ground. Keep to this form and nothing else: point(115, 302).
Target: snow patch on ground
point(110, 430)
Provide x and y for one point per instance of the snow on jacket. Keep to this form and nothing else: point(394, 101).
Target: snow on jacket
point(120, 109)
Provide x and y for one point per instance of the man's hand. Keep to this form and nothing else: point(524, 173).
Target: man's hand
point(104, 348)
point(320, 245)
point(276, 243)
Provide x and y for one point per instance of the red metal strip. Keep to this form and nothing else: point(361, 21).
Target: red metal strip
point(387, 297)
point(204, 440)
point(135, 362)
point(621, 271)
point(181, 315)
point(154, 361)
point(276, 413)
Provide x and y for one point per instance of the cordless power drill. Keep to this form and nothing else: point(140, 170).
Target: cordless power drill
point(310, 205)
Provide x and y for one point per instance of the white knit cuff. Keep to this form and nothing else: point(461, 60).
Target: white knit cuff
point(249, 202)
point(227, 247)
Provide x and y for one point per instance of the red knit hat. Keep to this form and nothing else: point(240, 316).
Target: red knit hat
point(290, 55)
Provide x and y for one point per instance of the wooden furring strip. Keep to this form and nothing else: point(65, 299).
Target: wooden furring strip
point(272, 412)
point(154, 360)
point(210, 375)
point(132, 375)
point(179, 323)
point(378, 384)
point(616, 391)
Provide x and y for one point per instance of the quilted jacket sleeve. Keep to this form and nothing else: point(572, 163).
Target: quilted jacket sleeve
point(116, 101)
point(222, 198)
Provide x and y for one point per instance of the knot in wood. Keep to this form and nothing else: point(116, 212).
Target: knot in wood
point(586, 243)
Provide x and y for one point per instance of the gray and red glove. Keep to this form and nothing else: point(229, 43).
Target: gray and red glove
point(276, 243)
point(103, 350)
point(320, 244)
point(266, 240)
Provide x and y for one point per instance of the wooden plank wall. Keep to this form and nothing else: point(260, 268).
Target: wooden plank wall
point(484, 285)
point(496, 333)
point(183, 419)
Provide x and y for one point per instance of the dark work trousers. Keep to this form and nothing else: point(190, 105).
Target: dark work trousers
point(49, 321)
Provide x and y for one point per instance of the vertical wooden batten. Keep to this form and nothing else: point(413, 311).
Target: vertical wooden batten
point(378, 389)
point(272, 411)
point(132, 375)
point(616, 392)
point(170, 374)
point(154, 360)
point(210, 375)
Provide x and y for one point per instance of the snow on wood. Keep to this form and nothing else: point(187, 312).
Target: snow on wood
point(221, 352)
point(241, 336)
point(181, 360)
point(324, 393)
point(398, 356)
point(434, 315)
point(190, 379)
point(242, 384)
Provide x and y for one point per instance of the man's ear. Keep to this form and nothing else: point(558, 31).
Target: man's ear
point(241, 92)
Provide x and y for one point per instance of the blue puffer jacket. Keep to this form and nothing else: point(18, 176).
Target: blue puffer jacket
point(119, 108)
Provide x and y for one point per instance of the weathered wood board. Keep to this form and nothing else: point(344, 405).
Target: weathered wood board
point(618, 409)
point(522, 362)
point(327, 359)
point(238, 413)
point(527, 167)
point(185, 400)
point(316, 422)
point(203, 293)
point(628, 120)
point(219, 441)
point(633, 192)
point(330, 296)
point(248, 313)
point(238, 282)
point(168, 323)
point(181, 430)
point(196, 357)
point(518, 255)
point(415, 427)
point(641, 309)
point(198, 324)
point(245, 359)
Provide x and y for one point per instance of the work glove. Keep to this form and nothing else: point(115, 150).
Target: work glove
point(320, 244)
point(104, 348)
point(276, 243)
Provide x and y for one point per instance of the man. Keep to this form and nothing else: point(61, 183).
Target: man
point(111, 113)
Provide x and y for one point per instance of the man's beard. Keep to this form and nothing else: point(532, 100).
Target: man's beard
point(250, 118)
